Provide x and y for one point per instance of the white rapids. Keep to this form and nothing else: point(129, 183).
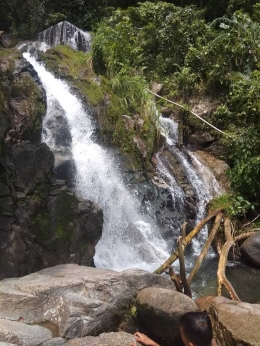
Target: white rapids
point(129, 238)
point(198, 175)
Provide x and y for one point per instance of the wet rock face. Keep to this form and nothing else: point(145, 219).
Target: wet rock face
point(217, 166)
point(27, 103)
point(176, 169)
point(203, 140)
point(60, 143)
point(32, 164)
point(42, 222)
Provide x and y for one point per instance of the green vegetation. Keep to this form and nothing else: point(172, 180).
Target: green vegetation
point(195, 49)
point(233, 205)
point(126, 95)
point(193, 58)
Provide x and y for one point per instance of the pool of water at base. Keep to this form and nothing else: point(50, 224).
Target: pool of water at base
point(244, 278)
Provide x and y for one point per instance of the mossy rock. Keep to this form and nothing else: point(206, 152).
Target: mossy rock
point(28, 102)
point(22, 100)
point(109, 108)
point(56, 222)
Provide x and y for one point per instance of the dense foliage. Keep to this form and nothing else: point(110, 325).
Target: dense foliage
point(193, 48)
point(177, 47)
point(30, 16)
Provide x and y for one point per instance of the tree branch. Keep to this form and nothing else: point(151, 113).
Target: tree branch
point(222, 280)
point(9, 5)
point(174, 277)
point(249, 223)
point(206, 247)
point(186, 287)
point(244, 235)
point(188, 239)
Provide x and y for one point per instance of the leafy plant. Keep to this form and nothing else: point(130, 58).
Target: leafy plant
point(240, 206)
point(234, 205)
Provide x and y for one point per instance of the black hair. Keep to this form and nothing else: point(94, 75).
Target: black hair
point(197, 328)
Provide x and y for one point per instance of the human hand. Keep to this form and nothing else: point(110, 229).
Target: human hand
point(144, 340)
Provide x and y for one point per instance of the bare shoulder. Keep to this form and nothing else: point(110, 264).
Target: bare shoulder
point(214, 343)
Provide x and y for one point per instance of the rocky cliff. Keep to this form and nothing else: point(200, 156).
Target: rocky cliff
point(42, 222)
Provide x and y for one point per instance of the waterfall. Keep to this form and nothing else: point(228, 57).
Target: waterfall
point(66, 33)
point(129, 238)
point(204, 183)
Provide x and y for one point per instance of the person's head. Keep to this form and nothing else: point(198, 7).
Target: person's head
point(196, 329)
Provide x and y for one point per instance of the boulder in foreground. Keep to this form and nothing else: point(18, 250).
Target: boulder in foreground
point(160, 310)
point(235, 323)
point(73, 301)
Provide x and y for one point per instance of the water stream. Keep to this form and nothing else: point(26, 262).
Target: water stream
point(199, 176)
point(130, 239)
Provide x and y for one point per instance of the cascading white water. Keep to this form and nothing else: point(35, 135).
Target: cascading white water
point(129, 239)
point(176, 191)
point(205, 184)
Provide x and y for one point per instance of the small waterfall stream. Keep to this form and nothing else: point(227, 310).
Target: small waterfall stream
point(204, 183)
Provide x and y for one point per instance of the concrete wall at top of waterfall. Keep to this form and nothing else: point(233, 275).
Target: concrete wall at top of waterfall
point(68, 34)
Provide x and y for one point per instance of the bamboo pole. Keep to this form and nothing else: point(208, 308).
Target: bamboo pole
point(188, 239)
point(206, 247)
point(185, 108)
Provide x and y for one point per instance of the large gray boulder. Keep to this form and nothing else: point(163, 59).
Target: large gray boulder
point(160, 310)
point(74, 301)
point(250, 249)
point(235, 323)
